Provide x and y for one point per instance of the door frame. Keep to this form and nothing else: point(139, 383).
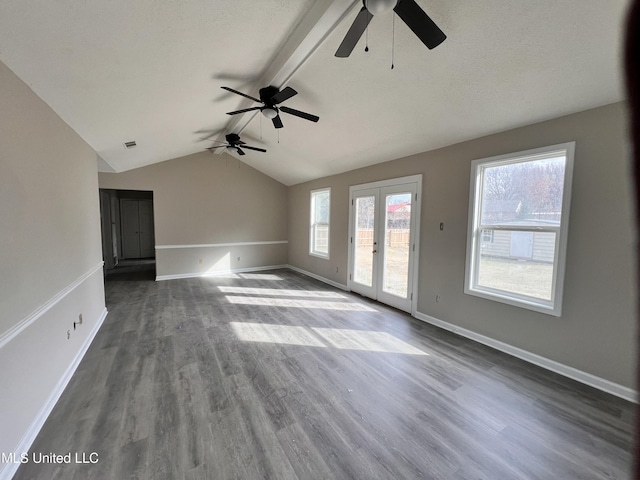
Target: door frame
point(411, 179)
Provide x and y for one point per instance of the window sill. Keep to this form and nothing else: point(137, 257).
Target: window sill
point(318, 255)
point(547, 309)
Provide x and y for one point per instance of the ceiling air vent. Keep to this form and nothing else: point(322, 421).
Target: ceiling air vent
point(130, 144)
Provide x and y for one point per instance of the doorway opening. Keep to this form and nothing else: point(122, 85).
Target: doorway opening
point(128, 233)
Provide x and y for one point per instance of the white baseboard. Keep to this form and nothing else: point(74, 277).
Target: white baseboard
point(557, 367)
point(29, 437)
point(318, 277)
point(160, 278)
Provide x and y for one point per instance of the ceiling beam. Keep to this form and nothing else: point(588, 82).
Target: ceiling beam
point(323, 17)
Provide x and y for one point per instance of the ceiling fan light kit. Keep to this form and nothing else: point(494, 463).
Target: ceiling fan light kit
point(269, 113)
point(376, 7)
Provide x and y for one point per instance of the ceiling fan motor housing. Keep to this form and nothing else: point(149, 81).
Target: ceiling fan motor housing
point(232, 138)
point(267, 93)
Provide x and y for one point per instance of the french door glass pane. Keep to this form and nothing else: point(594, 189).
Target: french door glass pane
point(397, 233)
point(364, 240)
point(517, 262)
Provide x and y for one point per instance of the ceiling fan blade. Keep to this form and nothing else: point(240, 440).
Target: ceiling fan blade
point(298, 113)
point(244, 110)
point(355, 32)
point(216, 146)
point(239, 150)
point(243, 94)
point(283, 95)
point(418, 21)
point(277, 122)
point(254, 148)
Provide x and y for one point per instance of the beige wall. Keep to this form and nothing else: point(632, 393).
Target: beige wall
point(206, 199)
point(50, 258)
point(596, 333)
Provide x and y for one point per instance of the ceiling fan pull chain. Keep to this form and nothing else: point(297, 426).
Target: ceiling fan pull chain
point(393, 38)
point(366, 39)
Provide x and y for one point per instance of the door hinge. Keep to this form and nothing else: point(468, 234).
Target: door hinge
point(349, 276)
point(352, 201)
point(416, 197)
point(411, 295)
point(351, 239)
point(414, 247)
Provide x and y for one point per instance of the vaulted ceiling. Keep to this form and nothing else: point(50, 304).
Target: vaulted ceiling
point(151, 72)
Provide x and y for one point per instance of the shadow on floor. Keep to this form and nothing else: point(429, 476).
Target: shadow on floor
point(133, 271)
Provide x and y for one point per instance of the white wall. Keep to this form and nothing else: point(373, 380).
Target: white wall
point(50, 260)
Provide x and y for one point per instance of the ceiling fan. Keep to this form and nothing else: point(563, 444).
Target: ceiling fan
point(410, 13)
point(270, 97)
point(234, 143)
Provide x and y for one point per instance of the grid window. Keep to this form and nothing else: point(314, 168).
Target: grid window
point(319, 225)
point(518, 219)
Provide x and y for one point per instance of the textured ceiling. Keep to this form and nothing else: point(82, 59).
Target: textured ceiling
point(151, 72)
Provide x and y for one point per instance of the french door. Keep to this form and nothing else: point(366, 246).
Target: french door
point(383, 233)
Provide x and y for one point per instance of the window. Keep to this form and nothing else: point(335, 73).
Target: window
point(518, 221)
point(487, 236)
point(319, 231)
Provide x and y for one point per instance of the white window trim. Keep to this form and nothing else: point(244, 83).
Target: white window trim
point(312, 223)
point(474, 232)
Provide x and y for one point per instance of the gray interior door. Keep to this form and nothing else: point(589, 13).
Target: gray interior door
point(145, 221)
point(136, 220)
point(130, 222)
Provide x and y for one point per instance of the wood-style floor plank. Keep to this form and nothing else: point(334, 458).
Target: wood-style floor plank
point(273, 375)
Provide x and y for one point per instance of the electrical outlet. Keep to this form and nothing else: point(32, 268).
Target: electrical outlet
point(337, 270)
point(437, 298)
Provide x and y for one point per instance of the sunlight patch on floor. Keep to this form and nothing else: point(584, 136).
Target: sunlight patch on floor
point(269, 333)
point(345, 339)
point(246, 276)
point(340, 338)
point(281, 292)
point(288, 302)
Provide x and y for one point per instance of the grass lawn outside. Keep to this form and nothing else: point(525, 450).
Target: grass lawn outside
point(518, 276)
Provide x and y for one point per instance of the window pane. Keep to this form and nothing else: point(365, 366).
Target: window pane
point(396, 253)
point(321, 210)
point(518, 262)
point(363, 261)
point(321, 239)
point(525, 193)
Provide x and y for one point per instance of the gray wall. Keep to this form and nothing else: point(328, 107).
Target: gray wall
point(202, 200)
point(596, 333)
point(50, 258)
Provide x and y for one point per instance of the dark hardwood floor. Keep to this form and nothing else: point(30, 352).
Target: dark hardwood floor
point(273, 375)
